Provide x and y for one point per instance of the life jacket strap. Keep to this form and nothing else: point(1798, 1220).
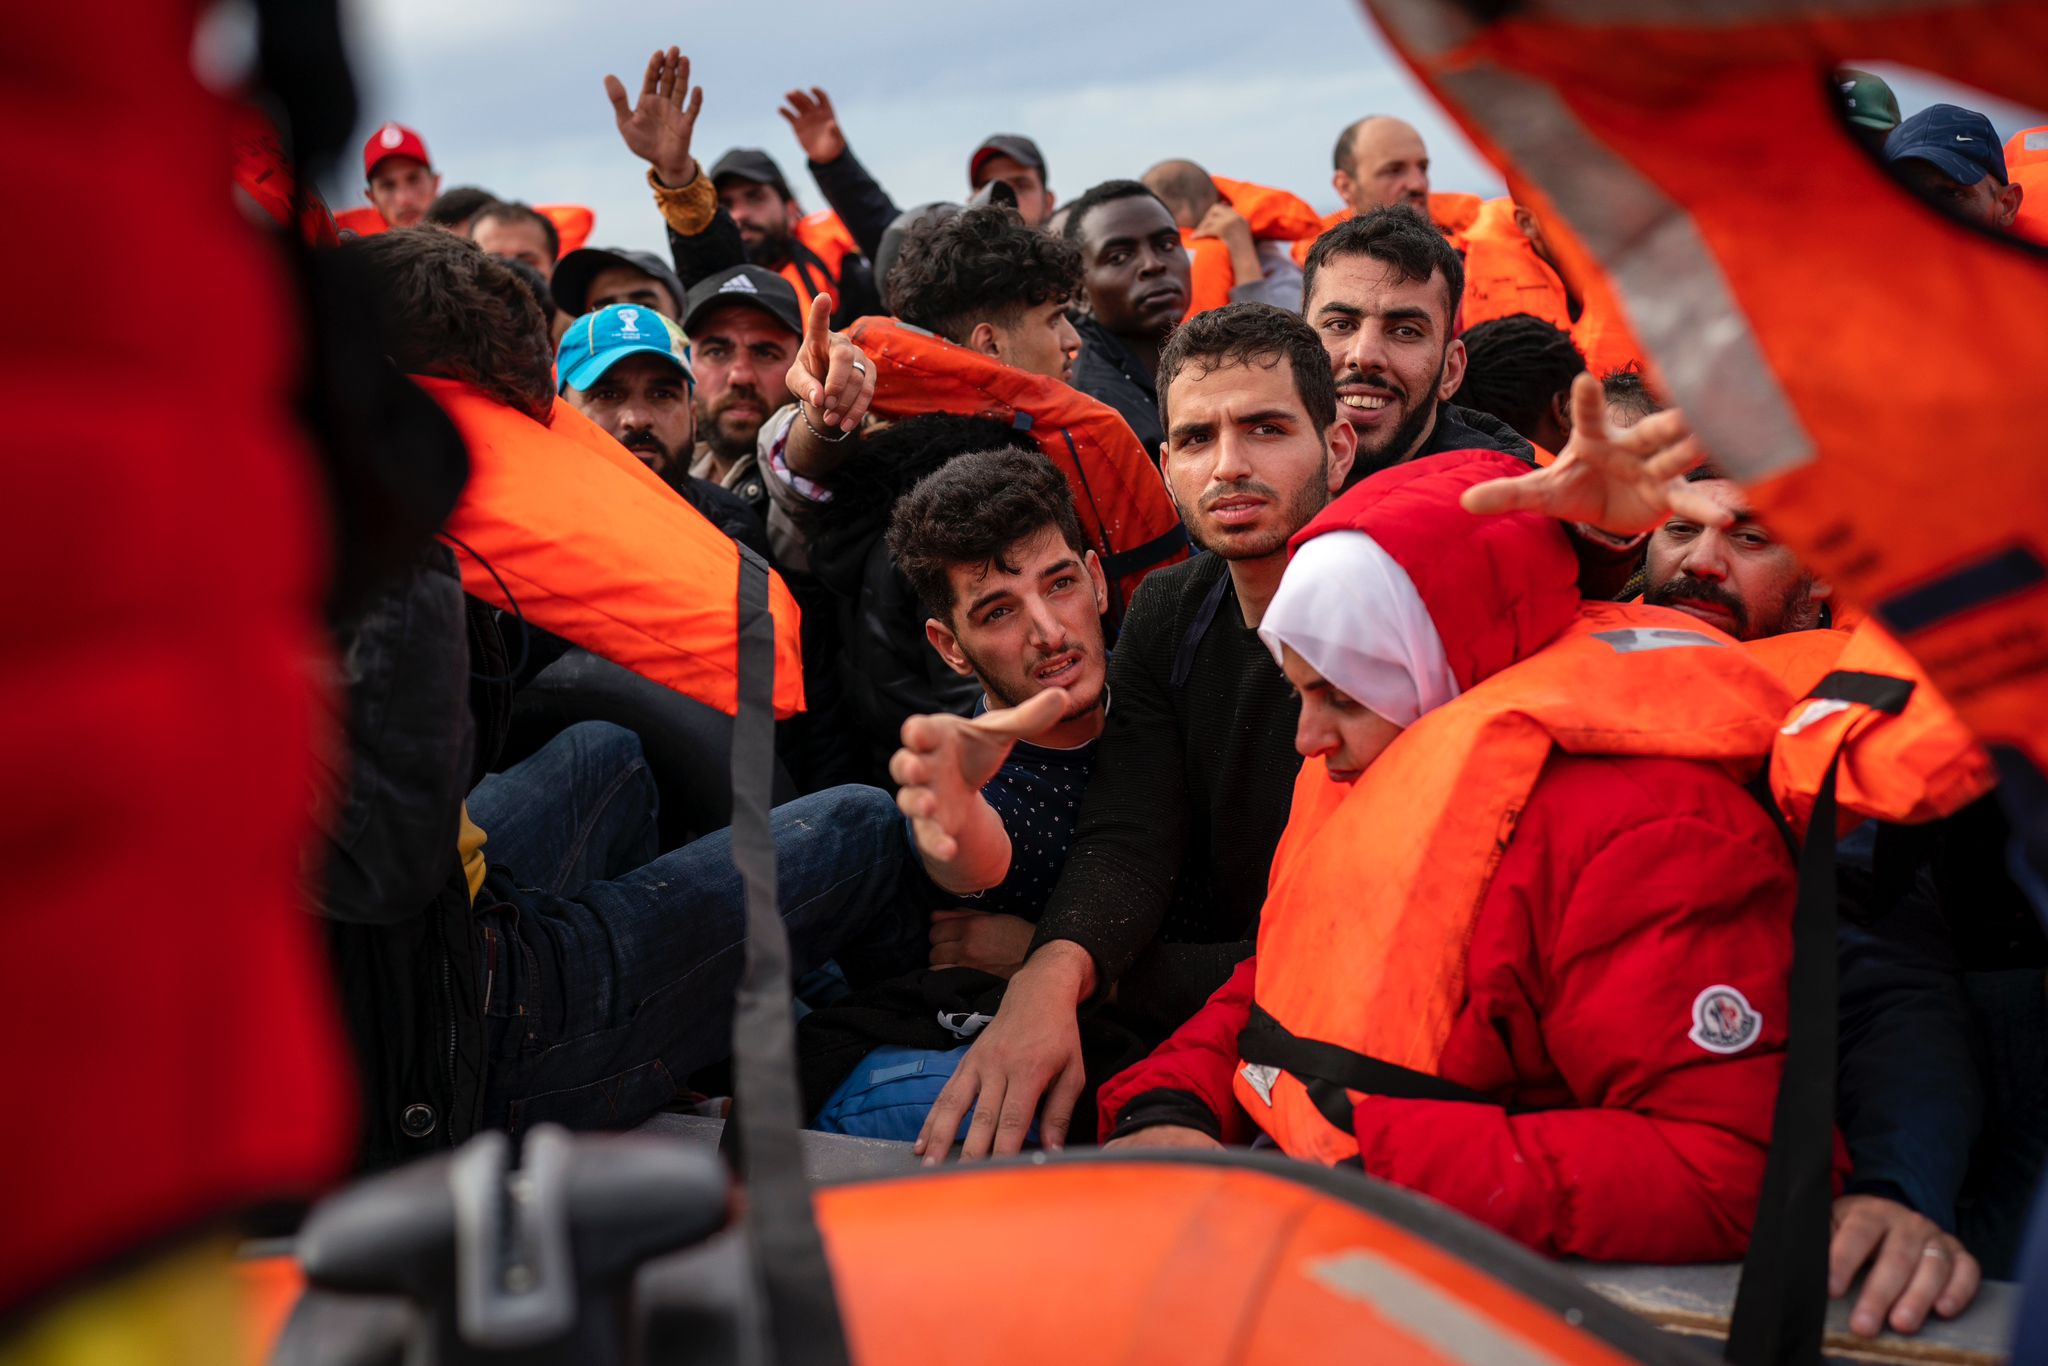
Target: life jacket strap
point(1328, 1071)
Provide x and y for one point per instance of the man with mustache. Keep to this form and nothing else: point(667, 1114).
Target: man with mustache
point(626, 369)
point(1160, 894)
point(1381, 291)
point(744, 325)
point(1737, 578)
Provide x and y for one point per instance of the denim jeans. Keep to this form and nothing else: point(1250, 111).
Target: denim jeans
point(600, 999)
point(581, 809)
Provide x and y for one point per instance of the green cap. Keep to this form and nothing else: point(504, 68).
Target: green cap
point(1869, 101)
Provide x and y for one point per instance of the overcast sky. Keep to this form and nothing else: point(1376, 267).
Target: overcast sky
point(509, 95)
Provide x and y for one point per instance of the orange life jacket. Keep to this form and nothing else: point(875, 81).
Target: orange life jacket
point(2026, 164)
point(566, 527)
point(1455, 214)
point(1504, 275)
point(831, 242)
point(1273, 215)
point(1124, 511)
point(573, 223)
point(1434, 808)
point(1782, 305)
point(1905, 755)
point(359, 222)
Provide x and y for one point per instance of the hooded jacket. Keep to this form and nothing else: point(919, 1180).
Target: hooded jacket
point(1632, 892)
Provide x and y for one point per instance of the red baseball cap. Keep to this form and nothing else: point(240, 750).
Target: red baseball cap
point(393, 140)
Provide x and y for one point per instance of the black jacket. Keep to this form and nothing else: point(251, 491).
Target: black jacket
point(862, 205)
point(402, 937)
point(1108, 372)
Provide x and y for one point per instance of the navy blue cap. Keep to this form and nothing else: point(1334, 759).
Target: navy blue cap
point(1959, 142)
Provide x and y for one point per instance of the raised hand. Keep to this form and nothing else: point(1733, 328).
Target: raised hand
point(659, 127)
point(1621, 482)
point(830, 373)
point(816, 126)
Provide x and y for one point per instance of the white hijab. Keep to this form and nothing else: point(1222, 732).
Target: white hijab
point(1349, 609)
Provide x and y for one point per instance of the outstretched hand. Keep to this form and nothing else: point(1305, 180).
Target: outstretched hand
point(811, 118)
point(946, 759)
point(1624, 482)
point(659, 127)
point(830, 373)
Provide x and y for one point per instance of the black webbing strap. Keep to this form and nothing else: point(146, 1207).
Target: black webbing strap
point(789, 1266)
point(1781, 1304)
point(1328, 1071)
point(1880, 692)
point(1191, 640)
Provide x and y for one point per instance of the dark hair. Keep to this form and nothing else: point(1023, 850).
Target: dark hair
point(1515, 366)
point(1345, 158)
point(975, 266)
point(1095, 196)
point(512, 211)
point(446, 308)
point(972, 509)
point(459, 205)
point(1398, 236)
point(1244, 334)
point(1627, 390)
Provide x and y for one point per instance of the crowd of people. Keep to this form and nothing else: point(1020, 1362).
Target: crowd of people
point(1271, 678)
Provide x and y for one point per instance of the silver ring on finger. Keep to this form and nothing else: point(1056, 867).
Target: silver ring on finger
point(1934, 1250)
point(861, 366)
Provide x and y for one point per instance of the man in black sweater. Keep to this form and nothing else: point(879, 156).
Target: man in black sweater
point(1161, 892)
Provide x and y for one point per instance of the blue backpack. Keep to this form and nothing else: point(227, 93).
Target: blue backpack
point(891, 1091)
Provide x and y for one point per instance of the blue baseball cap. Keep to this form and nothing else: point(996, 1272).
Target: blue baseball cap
point(1958, 142)
point(597, 341)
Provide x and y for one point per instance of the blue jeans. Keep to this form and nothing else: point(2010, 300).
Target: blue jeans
point(600, 999)
point(582, 809)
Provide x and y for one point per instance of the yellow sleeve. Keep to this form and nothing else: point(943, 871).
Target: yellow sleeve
point(688, 208)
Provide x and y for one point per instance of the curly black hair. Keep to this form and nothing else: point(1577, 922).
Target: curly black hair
point(1245, 334)
point(970, 511)
point(446, 308)
point(980, 265)
point(1515, 366)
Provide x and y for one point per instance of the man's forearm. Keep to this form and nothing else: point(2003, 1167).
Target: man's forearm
point(982, 859)
point(1062, 960)
point(810, 452)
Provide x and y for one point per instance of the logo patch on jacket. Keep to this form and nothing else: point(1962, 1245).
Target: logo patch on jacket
point(1723, 1021)
point(1261, 1078)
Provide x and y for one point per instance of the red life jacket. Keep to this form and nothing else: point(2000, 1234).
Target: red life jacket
point(183, 1061)
point(1124, 511)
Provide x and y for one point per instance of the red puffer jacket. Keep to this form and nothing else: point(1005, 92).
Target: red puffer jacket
point(1627, 894)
